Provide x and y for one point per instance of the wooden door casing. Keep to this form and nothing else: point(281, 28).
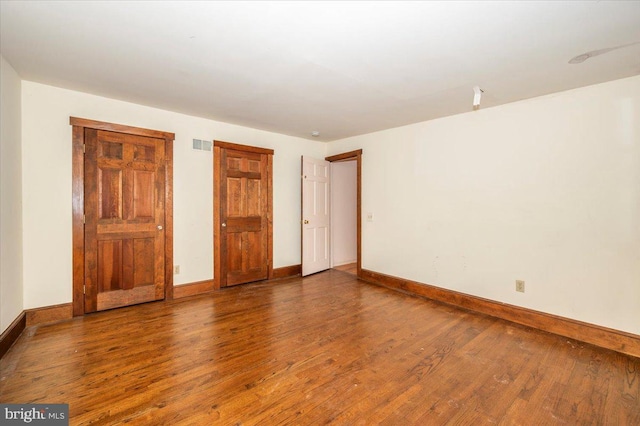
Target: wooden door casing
point(120, 256)
point(242, 214)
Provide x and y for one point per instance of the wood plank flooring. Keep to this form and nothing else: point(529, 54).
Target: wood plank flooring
point(318, 350)
point(349, 268)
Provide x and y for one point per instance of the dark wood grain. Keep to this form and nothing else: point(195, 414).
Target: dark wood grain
point(301, 211)
point(120, 298)
point(78, 218)
point(325, 349)
point(245, 213)
point(168, 219)
point(287, 272)
point(83, 129)
point(616, 340)
point(269, 218)
point(239, 147)
point(125, 219)
point(11, 334)
point(345, 156)
point(349, 268)
point(48, 314)
point(243, 202)
point(89, 284)
point(217, 242)
point(359, 213)
point(120, 128)
point(193, 289)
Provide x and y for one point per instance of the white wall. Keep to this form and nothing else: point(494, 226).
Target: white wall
point(11, 298)
point(545, 190)
point(47, 185)
point(344, 247)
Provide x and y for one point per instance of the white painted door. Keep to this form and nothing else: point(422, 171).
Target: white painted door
point(316, 215)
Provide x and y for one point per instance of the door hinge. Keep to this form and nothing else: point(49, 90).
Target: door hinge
point(84, 148)
point(84, 289)
point(84, 219)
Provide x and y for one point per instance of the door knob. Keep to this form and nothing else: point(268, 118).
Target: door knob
point(224, 225)
point(160, 227)
point(306, 222)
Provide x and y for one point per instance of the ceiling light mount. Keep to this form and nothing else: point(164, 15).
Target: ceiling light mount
point(477, 95)
point(315, 133)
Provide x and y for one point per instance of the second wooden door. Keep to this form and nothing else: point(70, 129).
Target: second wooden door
point(244, 214)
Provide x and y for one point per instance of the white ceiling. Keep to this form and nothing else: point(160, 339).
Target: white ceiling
point(341, 68)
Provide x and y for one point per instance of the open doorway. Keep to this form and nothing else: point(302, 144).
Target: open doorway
point(344, 239)
point(316, 186)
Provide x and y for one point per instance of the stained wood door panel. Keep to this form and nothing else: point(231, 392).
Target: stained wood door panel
point(110, 190)
point(111, 274)
point(234, 252)
point(143, 196)
point(246, 258)
point(124, 207)
point(235, 202)
point(244, 224)
point(244, 218)
point(118, 299)
point(243, 214)
point(125, 263)
point(142, 266)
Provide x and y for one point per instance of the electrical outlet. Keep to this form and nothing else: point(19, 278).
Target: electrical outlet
point(520, 286)
point(176, 269)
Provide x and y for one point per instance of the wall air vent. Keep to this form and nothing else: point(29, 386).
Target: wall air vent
point(202, 145)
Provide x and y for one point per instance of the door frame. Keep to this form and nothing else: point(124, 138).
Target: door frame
point(357, 156)
point(77, 182)
point(217, 182)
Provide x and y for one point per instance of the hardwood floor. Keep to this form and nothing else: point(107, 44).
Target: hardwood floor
point(350, 268)
point(323, 349)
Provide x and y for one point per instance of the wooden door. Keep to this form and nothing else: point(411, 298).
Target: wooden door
point(244, 214)
point(124, 219)
point(316, 215)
